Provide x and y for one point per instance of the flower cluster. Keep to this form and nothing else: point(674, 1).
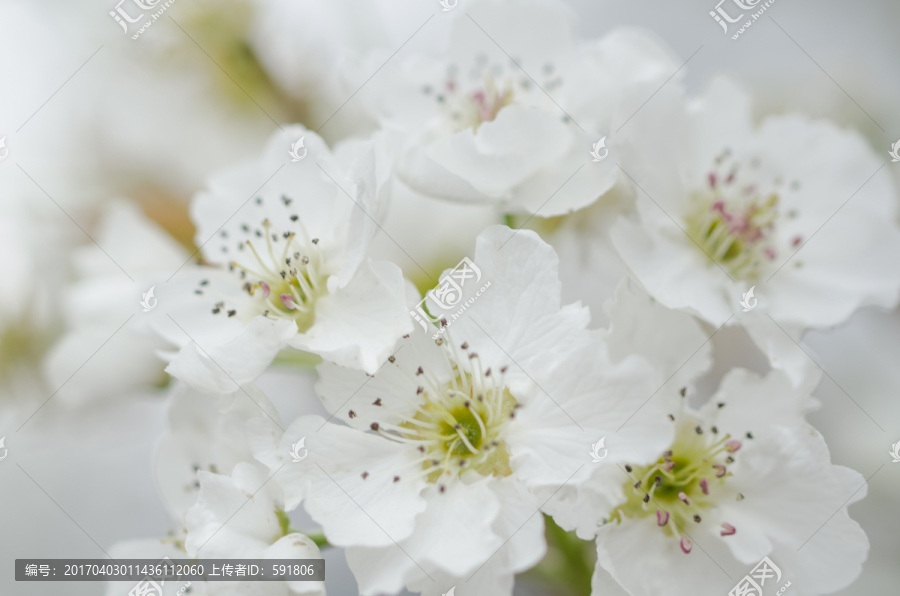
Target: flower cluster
point(335, 382)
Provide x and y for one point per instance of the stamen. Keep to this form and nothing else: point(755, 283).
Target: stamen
point(733, 222)
point(289, 287)
point(456, 423)
point(662, 517)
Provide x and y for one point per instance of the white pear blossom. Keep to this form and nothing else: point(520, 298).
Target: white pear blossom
point(284, 242)
point(676, 346)
point(237, 70)
point(131, 259)
point(241, 516)
point(237, 516)
point(206, 433)
point(317, 53)
point(745, 478)
point(792, 207)
point(433, 480)
point(30, 303)
point(639, 362)
point(221, 499)
point(508, 109)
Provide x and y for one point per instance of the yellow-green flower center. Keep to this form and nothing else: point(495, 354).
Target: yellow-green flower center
point(734, 221)
point(735, 233)
point(283, 273)
point(685, 482)
point(458, 425)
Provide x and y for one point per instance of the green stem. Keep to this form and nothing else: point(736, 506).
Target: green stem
point(569, 564)
point(319, 538)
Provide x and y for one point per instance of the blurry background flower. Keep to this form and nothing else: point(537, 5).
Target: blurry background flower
point(90, 115)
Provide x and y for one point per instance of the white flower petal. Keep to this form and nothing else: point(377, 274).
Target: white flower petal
point(358, 325)
point(756, 402)
point(664, 569)
point(297, 546)
point(206, 433)
point(586, 400)
point(564, 186)
point(224, 368)
point(230, 198)
point(234, 516)
point(386, 397)
point(783, 352)
point(850, 263)
point(520, 312)
point(354, 510)
point(369, 167)
point(439, 542)
point(504, 152)
point(666, 338)
point(810, 491)
point(673, 270)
